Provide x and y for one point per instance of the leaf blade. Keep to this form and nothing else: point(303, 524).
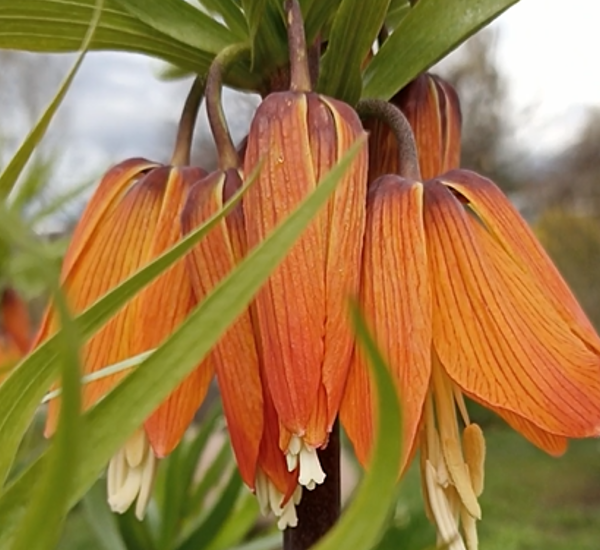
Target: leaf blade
point(430, 30)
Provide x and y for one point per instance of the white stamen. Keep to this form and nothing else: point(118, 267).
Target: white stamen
point(131, 474)
point(299, 453)
point(270, 499)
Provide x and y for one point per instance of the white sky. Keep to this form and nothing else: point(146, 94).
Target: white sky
point(547, 48)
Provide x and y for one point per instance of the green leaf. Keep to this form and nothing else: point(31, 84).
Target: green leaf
point(122, 411)
point(232, 15)
point(254, 10)
point(398, 11)
point(238, 524)
point(41, 527)
point(102, 522)
point(340, 75)
point(178, 481)
point(430, 31)
point(60, 26)
point(182, 22)
point(360, 527)
point(11, 173)
point(318, 16)
point(269, 542)
point(217, 517)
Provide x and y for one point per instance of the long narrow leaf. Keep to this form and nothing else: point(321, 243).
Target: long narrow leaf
point(232, 15)
point(360, 526)
point(341, 66)
point(59, 26)
point(11, 173)
point(430, 30)
point(123, 410)
point(182, 22)
point(101, 520)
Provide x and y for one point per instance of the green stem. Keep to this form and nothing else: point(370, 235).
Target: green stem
point(187, 123)
point(228, 157)
point(300, 73)
point(395, 119)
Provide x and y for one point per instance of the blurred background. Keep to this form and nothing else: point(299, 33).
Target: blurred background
point(530, 96)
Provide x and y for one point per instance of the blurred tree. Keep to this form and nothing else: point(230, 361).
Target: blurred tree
point(573, 242)
point(483, 90)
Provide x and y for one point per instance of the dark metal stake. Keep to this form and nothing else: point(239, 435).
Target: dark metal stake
point(319, 509)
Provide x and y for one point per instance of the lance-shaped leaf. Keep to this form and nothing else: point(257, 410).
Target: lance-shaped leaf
point(429, 31)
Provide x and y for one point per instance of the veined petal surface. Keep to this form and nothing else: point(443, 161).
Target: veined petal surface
point(396, 301)
point(235, 356)
point(497, 335)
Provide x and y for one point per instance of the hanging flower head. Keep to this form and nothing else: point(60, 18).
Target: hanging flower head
point(464, 301)
point(132, 218)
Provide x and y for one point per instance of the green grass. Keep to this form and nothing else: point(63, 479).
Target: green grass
point(531, 501)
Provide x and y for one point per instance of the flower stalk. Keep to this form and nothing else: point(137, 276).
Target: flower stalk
point(399, 125)
point(228, 157)
point(187, 123)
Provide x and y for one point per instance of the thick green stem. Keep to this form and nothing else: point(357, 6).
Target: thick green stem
point(228, 157)
point(395, 119)
point(187, 123)
point(300, 73)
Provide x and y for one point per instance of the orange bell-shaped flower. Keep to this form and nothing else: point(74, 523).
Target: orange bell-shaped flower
point(301, 312)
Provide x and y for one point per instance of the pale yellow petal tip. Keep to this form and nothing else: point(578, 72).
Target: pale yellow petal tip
point(270, 500)
point(299, 454)
point(131, 474)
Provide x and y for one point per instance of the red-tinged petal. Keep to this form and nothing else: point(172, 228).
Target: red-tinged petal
point(497, 335)
point(169, 298)
point(235, 355)
point(271, 459)
point(14, 320)
point(118, 246)
point(109, 192)
point(344, 236)
point(432, 108)
point(505, 223)
point(291, 305)
point(396, 301)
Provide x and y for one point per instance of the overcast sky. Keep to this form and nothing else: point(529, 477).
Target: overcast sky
point(547, 48)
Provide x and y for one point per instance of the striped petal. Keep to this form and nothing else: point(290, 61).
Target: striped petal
point(496, 333)
point(344, 236)
point(235, 356)
point(291, 305)
point(169, 298)
point(117, 245)
point(396, 301)
point(504, 222)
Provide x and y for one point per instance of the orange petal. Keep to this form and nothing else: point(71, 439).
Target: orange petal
point(344, 236)
point(508, 227)
point(169, 298)
point(433, 111)
point(291, 305)
point(115, 247)
point(396, 301)
point(235, 355)
point(14, 320)
point(497, 335)
point(109, 192)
